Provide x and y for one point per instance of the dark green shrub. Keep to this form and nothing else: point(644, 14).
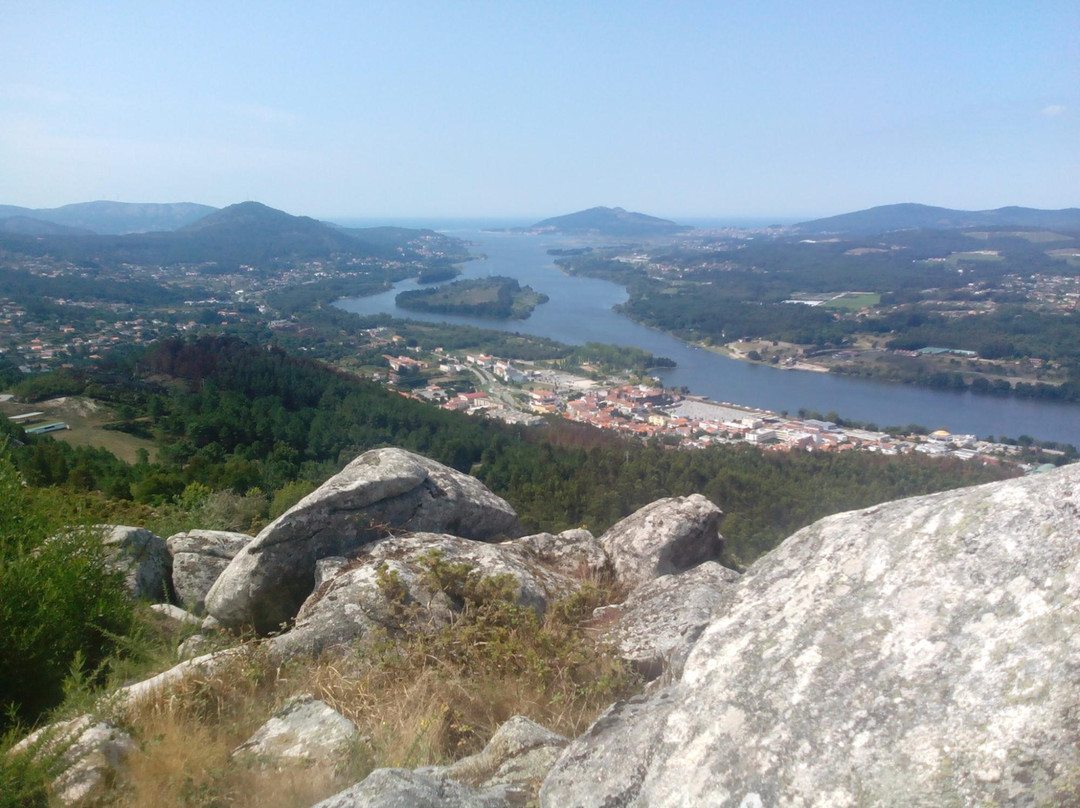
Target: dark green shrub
point(59, 601)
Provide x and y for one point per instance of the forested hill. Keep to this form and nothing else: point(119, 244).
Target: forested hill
point(909, 215)
point(248, 233)
point(230, 416)
point(611, 222)
point(114, 218)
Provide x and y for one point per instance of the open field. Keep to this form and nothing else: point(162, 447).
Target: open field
point(987, 255)
point(1034, 236)
point(87, 419)
point(854, 301)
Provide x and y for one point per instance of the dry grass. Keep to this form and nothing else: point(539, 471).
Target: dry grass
point(417, 700)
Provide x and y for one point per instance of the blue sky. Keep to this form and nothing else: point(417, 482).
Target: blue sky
point(725, 109)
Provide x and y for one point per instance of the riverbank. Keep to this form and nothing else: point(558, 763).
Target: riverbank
point(580, 311)
point(745, 351)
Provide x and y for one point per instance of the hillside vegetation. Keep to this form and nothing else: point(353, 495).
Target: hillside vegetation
point(233, 417)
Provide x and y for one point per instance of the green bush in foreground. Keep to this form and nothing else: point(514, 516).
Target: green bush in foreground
point(61, 606)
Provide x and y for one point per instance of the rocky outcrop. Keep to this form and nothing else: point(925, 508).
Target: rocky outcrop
point(505, 774)
point(205, 665)
point(659, 623)
point(267, 581)
point(305, 732)
point(921, 652)
point(175, 614)
point(142, 557)
point(199, 557)
point(92, 754)
point(576, 552)
point(402, 788)
point(389, 587)
point(670, 535)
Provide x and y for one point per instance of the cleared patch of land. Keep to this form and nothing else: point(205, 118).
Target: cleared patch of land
point(87, 419)
point(975, 255)
point(1034, 236)
point(854, 301)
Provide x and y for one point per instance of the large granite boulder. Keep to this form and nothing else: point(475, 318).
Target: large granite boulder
point(389, 587)
point(922, 652)
point(402, 788)
point(655, 628)
point(267, 581)
point(669, 535)
point(304, 732)
point(199, 557)
point(573, 552)
point(142, 557)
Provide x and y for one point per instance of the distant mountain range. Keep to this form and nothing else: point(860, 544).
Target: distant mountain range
point(103, 218)
point(608, 222)
point(248, 233)
point(912, 216)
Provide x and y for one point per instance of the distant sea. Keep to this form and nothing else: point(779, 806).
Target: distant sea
point(444, 224)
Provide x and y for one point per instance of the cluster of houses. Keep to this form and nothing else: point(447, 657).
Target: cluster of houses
point(37, 346)
point(688, 422)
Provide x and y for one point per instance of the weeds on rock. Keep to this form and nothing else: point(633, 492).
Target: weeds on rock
point(420, 694)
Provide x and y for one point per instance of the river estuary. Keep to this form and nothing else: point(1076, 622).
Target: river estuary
point(580, 310)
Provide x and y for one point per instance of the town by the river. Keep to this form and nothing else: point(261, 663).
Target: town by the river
point(580, 310)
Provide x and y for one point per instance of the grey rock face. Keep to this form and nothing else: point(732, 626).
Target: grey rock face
point(604, 768)
point(385, 588)
point(303, 732)
point(94, 751)
point(923, 652)
point(143, 558)
point(402, 788)
point(573, 552)
point(199, 557)
point(670, 535)
point(204, 666)
point(660, 621)
point(267, 581)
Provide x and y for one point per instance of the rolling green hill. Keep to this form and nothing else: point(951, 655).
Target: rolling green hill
point(909, 215)
point(611, 222)
point(115, 218)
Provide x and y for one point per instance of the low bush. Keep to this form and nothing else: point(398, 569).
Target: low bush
point(60, 602)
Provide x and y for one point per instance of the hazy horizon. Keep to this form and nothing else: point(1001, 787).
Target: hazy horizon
point(769, 111)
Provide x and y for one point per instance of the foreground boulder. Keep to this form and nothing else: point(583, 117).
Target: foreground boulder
point(393, 585)
point(142, 557)
point(921, 652)
point(92, 754)
point(658, 624)
point(573, 552)
point(670, 535)
point(199, 557)
point(305, 732)
point(267, 581)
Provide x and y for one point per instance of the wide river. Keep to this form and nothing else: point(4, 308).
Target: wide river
point(580, 310)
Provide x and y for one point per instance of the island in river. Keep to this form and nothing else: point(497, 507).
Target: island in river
point(495, 297)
